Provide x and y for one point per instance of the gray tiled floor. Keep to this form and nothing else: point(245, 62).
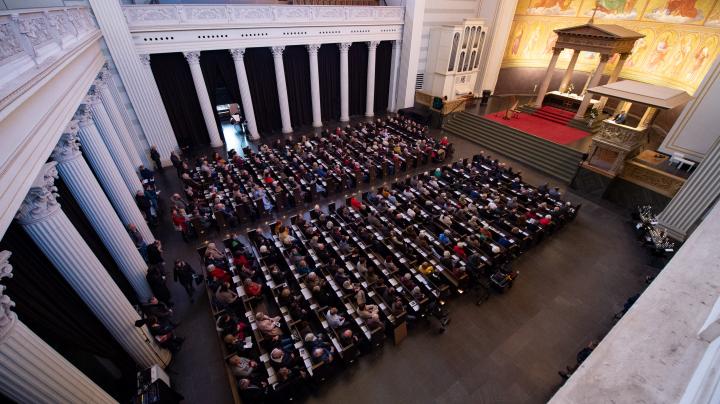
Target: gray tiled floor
point(506, 351)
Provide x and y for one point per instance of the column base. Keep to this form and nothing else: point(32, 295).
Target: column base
point(317, 124)
point(344, 119)
point(369, 115)
point(255, 136)
point(221, 144)
point(287, 130)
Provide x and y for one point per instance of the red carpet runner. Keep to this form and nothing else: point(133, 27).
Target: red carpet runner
point(540, 127)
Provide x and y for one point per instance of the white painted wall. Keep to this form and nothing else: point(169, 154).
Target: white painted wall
point(444, 12)
point(697, 128)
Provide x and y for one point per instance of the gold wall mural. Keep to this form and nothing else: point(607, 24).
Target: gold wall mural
point(682, 37)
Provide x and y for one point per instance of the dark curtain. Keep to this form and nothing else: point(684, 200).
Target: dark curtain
point(358, 60)
point(297, 79)
point(220, 79)
point(263, 88)
point(47, 304)
point(76, 215)
point(177, 90)
point(329, 70)
point(383, 60)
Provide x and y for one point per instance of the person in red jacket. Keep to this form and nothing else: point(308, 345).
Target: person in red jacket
point(546, 220)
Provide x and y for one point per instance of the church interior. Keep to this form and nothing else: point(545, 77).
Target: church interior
point(426, 201)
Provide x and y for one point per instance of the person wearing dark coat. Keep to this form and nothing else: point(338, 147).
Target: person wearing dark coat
point(156, 280)
point(155, 156)
point(183, 273)
point(154, 253)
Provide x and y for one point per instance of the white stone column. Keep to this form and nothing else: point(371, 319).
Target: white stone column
point(392, 94)
point(105, 126)
point(193, 59)
point(145, 62)
point(103, 85)
point(344, 82)
point(110, 179)
point(613, 78)
point(569, 71)
point(30, 370)
point(370, 93)
point(97, 208)
point(277, 52)
point(41, 217)
point(138, 137)
point(238, 56)
point(548, 76)
point(594, 80)
point(141, 87)
point(315, 84)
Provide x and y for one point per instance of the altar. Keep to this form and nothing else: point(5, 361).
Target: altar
point(566, 101)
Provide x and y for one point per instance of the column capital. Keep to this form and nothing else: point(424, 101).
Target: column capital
point(313, 47)
point(396, 44)
point(237, 54)
point(277, 51)
point(7, 316)
point(372, 45)
point(604, 57)
point(193, 58)
point(344, 46)
point(624, 56)
point(82, 115)
point(144, 59)
point(557, 50)
point(41, 200)
point(68, 148)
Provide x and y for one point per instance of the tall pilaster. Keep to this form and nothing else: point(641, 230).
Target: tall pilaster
point(344, 82)
point(569, 71)
point(392, 94)
point(699, 193)
point(141, 87)
point(193, 59)
point(370, 93)
point(594, 80)
point(30, 370)
point(548, 76)
point(41, 217)
point(117, 152)
point(97, 208)
point(238, 56)
point(103, 85)
point(111, 181)
point(315, 84)
point(277, 52)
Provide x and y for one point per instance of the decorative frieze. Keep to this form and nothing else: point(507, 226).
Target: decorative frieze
point(143, 16)
point(38, 27)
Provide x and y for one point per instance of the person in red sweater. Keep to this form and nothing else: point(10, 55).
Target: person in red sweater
point(355, 203)
point(460, 250)
point(546, 220)
point(252, 288)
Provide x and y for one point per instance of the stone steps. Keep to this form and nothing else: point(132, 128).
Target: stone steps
point(553, 159)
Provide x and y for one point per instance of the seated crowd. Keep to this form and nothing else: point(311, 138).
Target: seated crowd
point(223, 192)
point(304, 300)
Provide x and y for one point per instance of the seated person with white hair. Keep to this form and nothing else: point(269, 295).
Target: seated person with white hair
point(334, 318)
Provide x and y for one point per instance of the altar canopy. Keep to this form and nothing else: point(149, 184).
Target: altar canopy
point(606, 39)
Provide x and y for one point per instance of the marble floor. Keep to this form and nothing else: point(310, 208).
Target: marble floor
point(508, 350)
